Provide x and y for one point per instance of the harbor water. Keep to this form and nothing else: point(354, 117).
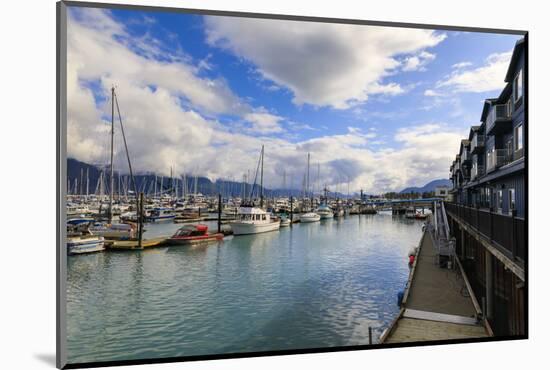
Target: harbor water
point(313, 285)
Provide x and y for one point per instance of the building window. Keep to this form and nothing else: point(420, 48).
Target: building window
point(518, 86)
point(511, 200)
point(518, 137)
point(499, 201)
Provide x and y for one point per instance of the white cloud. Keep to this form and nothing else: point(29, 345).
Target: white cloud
point(322, 64)
point(430, 92)
point(264, 123)
point(461, 65)
point(489, 77)
point(418, 62)
point(171, 119)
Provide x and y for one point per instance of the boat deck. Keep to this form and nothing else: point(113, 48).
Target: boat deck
point(437, 305)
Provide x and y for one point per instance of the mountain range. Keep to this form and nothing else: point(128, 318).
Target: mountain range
point(429, 187)
point(77, 170)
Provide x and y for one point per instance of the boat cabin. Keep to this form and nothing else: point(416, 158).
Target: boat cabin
point(191, 230)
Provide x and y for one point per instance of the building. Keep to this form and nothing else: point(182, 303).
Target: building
point(488, 208)
point(443, 192)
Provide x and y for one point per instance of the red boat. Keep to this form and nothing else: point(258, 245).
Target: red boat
point(193, 234)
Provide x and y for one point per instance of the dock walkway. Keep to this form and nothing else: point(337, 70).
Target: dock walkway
point(436, 305)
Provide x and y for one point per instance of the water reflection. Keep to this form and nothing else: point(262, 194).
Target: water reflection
point(310, 285)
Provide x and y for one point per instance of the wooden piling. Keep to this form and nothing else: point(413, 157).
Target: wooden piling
point(219, 213)
point(140, 221)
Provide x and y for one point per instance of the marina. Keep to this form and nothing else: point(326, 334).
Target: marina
point(306, 286)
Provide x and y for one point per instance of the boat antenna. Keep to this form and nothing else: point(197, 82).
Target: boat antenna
point(112, 148)
point(262, 181)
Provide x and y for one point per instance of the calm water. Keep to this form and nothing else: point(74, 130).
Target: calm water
point(313, 285)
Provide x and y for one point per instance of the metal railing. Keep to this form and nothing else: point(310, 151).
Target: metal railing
point(478, 170)
point(498, 112)
point(507, 232)
point(466, 156)
point(497, 158)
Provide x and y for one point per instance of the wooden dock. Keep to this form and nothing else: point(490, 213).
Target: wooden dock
point(437, 303)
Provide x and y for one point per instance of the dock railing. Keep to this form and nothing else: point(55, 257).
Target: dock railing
point(506, 232)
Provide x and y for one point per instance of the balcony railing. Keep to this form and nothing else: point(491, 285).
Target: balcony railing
point(477, 144)
point(466, 156)
point(498, 158)
point(478, 170)
point(498, 112)
point(507, 232)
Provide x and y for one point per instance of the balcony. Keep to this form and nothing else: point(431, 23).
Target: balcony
point(466, 158)
point(477, 144)
point(499, 119)
point(498, 158)
point(478, 170)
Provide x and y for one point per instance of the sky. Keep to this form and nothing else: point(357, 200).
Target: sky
point(377, 108)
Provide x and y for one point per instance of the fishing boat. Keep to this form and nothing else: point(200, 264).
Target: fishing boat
point(324, 212)
point(85, 244)
point(160, 214)
point(193, 234)
point(253, 220)
point(310, 217)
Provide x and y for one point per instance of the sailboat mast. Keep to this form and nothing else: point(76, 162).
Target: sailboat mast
point(112, 148)
point(262, 180)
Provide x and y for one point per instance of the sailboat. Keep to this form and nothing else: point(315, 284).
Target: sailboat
point(109, 229)
point(309, 216)
point(251, 219)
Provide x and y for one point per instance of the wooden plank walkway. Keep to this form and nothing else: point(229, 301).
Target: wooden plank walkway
point(437, 305)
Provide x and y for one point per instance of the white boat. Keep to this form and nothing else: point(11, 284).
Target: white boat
point(253, 220)
point(113, 231)
point(310, 217)
point(285, 221)
point(324, 212)
point(410, 213)
point(85, 244)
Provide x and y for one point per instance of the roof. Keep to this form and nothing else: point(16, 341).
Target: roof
point(518, 48)
point(473, 130)
point(486, 105)
point(251, 211)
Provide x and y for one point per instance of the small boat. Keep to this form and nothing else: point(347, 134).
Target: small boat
point(253, 220)
point(85, 244)
point(113, 231)
point(309, 217)
point(421, 216)
point(193, 234)
point(324, 211)
point(410, 212)
point(285, 221)
point(160, 214)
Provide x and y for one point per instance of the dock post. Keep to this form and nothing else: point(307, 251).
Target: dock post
point(489, 283)
point(370, 335)
point(291, 211)
point(462, 244)
point(140, 220)
point(219, 213)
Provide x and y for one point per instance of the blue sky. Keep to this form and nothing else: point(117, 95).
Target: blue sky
point(381, 108)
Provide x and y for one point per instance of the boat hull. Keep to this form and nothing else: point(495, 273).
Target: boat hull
point(309, 219)
point(243, 228)
point(195, 239)
point(86, 245)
